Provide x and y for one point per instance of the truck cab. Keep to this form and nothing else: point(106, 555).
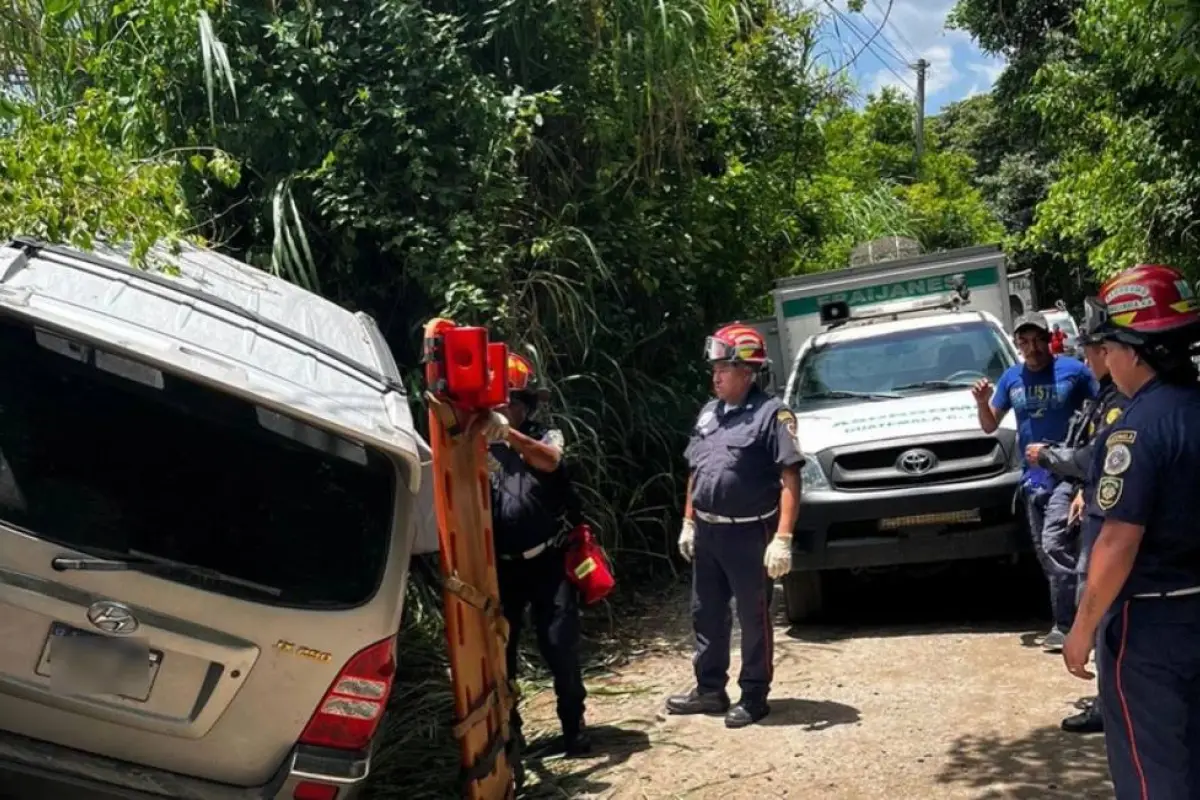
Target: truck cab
point(898, 471)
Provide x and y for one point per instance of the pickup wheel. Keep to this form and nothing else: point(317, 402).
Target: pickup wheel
point(803, 596)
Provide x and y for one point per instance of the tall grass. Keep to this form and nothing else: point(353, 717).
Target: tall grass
point(418, 756)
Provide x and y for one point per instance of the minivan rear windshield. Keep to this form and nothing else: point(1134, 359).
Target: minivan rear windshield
point(97, 458)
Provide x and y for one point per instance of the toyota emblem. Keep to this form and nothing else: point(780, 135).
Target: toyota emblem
point(916, 462)
point(112, 618)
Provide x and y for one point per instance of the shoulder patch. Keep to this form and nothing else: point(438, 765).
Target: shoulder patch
point(1120, 437)
point(1117, 459)
point(1111, 416)
point(785, 416)
point(1108, 491)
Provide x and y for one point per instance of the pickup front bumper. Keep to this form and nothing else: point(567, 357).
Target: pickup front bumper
point(843, 530)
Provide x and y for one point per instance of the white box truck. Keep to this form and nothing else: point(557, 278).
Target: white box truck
point(879, 362)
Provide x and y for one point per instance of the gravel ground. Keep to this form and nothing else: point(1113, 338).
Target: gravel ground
point(916, 687)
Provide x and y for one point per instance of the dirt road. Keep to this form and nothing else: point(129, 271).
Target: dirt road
point(918, 688)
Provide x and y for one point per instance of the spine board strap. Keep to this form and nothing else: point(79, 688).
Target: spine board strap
point(480, 601)
point(480, 710)
point(486, 762)
point(503, 694)
point(445, 415)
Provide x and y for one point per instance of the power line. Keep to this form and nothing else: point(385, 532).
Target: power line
point(876, 38)
point(868, 41)
point(912, 51)
point(894, 52)
point(883, 56)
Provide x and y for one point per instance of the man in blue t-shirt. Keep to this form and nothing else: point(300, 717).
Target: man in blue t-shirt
point(1044, 392)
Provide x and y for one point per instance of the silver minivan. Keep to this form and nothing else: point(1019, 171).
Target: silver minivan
point(207, 479)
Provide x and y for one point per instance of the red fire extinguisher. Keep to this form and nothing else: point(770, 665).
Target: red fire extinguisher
point(587, 567)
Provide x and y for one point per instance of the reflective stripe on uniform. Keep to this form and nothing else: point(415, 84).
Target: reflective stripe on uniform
point(720, 519)
point(525, 555)
point(1177, 593)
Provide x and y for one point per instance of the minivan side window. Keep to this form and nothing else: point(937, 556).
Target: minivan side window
point(100, 463)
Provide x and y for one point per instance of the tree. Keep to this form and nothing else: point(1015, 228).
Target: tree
point(870, 184)
point(63, 183)
point(601, 183)
point(1015, 149)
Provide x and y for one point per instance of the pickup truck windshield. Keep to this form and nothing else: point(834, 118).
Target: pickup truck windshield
point(902, 363)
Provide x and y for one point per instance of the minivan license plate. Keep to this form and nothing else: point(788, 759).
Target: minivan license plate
point(80, 662)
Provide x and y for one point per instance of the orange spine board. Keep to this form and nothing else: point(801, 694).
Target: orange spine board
point(476, 637)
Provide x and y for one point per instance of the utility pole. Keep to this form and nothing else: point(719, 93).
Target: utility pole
point(922, 65)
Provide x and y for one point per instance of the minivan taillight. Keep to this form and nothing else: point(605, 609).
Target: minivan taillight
point(353, 707)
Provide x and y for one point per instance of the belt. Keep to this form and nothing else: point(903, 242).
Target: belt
point(720, 519)
point(1193, 590)
point(532, 552)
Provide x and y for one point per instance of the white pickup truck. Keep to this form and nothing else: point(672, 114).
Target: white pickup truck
point(898, 470)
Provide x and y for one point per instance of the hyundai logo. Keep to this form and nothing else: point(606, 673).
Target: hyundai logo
point(917, 461)
point(112, 618)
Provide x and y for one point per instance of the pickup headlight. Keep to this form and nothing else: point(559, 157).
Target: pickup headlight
point(811, 476)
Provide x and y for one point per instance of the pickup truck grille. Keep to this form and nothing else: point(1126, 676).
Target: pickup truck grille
point(898, 465)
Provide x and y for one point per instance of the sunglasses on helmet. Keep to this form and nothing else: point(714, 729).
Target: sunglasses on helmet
point(720, 350)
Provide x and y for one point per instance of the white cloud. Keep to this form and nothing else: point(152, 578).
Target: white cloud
point(939, 74)
point(989, 69)
point(912, 29)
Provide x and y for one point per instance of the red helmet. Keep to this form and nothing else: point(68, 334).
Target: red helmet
point(738, 343)
point(1141, 303)
point(522, 380)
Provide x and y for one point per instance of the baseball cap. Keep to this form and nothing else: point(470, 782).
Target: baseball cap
point(1034, 319)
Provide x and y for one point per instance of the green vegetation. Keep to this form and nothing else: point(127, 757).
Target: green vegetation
point(1086, 147)
point(599, 183)
point(602, 183)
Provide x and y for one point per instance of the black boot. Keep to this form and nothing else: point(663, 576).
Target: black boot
point(514, 751)
point(1089, 720)
point(698, 702)
point(576, 741)
point(748, 711)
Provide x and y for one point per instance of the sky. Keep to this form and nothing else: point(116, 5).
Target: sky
point(913, 29)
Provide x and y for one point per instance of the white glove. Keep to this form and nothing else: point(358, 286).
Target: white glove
point(495, 427)
point(687, 540)
point(778, 559)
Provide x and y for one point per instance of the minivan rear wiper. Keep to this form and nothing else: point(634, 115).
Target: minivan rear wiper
point(842, 394)
point(134, 560)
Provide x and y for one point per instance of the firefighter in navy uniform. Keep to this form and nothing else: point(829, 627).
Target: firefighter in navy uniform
point(743, 495)
point(1071, 461)
point(1141, 606)
point(531, 497)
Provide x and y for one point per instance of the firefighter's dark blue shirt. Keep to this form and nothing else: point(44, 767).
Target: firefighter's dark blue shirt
point(1100, 415)
point(737, 454)
point(528, 505)
point(1146, 472)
